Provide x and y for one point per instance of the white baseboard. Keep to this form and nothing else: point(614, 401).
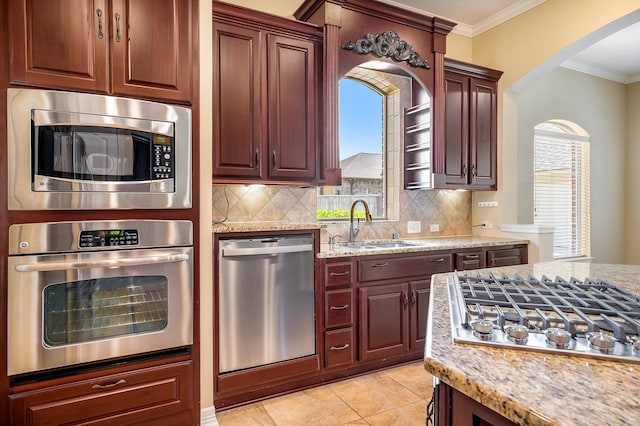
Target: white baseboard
point(208, 417)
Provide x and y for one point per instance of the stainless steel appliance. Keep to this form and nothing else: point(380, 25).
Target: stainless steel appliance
point(266, 301)
point(81, 292)
point(81, 151)
point(591, 318)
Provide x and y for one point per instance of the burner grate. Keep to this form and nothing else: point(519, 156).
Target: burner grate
point(590, 311)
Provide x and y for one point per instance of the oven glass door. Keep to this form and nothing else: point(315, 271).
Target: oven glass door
point(100, 308)
point(75, 308)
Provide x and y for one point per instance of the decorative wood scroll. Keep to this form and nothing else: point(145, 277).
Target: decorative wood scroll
point(390, 45)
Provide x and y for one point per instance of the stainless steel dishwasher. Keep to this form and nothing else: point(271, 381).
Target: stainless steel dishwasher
point(266, 309)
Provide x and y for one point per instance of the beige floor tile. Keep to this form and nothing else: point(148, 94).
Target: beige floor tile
point(319, 406)
point(414, 377)
point(249, 415)
point(373, 394)
point(413, 414)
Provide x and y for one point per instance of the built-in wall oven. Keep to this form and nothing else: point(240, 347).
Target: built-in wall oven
point(85, 292)
point(83, 151)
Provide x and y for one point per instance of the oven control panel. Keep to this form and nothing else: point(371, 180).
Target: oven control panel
point(108, 238)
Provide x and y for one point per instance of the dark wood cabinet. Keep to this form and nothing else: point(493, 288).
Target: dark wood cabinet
point(156, 395)
point(470, 134)
point(384, 321)
point(340, 347)
point(394, 302)
point(139, 48)
point(453, 408)
point(266, 96)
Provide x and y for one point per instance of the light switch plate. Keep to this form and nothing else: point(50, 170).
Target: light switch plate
point(413, 226)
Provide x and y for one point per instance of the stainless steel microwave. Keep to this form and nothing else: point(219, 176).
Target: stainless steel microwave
point(83, 151)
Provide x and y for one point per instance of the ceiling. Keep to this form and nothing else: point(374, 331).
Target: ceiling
point(614, 56)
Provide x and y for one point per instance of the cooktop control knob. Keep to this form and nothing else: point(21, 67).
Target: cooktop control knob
point(558, 337)
point(517, 333)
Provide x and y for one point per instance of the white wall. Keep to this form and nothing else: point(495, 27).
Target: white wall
point(599, 107)
point(632, 177)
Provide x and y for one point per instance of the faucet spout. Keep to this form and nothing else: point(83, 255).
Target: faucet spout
point(353, 227)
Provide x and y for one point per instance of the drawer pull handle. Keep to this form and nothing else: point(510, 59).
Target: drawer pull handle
point(440, 259)
point(339, 274)
point(338, 308)
point(472, 256)
point(111, 385)
point(379, 265)
point(118, 38)
point(340, 348)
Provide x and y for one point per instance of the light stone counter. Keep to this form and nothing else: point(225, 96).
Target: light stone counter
point(534, 388)
point(341, 249)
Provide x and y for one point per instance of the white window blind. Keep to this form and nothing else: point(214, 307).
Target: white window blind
point(561, 187)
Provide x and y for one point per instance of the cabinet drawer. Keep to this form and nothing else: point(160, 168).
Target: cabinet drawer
point(398, 267)
point(471, 260)
point(339, 347)
point(337, 274)
point(439, 263)
point(338, 308)
point(403, 267)
point(505, 257)
point(133, 397)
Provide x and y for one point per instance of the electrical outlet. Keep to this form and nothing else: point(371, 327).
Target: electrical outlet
point(487, 225)
point(413, 226)
point(434, 227)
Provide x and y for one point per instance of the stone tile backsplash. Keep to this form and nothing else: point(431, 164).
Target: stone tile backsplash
point(451, 210)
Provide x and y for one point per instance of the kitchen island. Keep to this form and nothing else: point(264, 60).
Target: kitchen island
point(529, 387)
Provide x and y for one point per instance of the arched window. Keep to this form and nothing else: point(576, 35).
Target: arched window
point(561, 185)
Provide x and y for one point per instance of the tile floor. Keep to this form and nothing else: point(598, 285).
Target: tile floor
point(397, 396)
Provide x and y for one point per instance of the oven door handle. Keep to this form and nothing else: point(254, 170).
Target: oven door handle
point(104, 263)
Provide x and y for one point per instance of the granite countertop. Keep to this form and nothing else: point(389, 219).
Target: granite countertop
point(220, 228)
point(536, 388)
point(341, 249)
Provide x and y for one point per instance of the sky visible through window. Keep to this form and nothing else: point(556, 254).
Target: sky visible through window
point(360, 119)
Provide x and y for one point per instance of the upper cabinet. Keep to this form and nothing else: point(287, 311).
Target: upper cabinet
point(140, 48)
point(470, 149)
point(265, 97)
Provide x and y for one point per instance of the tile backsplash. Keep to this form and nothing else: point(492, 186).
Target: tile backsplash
point(450, 210)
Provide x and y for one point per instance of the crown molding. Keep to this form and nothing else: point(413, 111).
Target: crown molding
point(600, 72)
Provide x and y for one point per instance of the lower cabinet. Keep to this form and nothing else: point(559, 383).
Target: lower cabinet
point(453, 408)
point(156, 395)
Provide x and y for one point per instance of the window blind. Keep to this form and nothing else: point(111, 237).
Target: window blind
point(561, 188)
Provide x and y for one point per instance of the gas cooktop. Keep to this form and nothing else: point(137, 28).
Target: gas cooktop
point(587, 317)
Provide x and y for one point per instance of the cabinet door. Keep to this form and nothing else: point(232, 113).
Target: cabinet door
point(384, 321)
point(507, 257)
point(483, 137)
point(151, 48)
point(456, 129)
point(419, 301)
point(236, 102)
point(292, 96)
point(60, 44)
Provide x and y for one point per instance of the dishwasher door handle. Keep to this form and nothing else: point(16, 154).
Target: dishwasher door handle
point(253, 251)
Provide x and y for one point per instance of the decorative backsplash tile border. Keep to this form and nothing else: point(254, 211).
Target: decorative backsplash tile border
point(451, 210)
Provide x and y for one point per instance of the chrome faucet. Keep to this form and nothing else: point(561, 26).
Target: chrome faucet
point(354, 228)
